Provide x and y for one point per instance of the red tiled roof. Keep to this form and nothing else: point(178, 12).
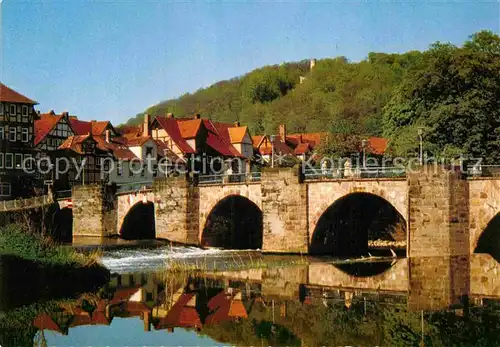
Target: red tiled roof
point(312, 138)
point(302, 148)
point(237, 134)
point(99, 127)
point(80, 127)
point(279, 147)
point(138, 141)
point(10, 95)
point(165, 151)
point(189, 128)
point(44, 125)
point(171, 127)
point(218, 138)
point(377, 145)
point(118, 148)
point(225, 309)
point(74, 143)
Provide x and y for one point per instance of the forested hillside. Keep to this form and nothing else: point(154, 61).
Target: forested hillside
point(452, 93)
point(336, 95)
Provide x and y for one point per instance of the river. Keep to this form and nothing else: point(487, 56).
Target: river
point(266, 300)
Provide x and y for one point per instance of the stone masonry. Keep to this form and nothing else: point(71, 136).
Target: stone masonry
point(94, 211)
point(284, 208)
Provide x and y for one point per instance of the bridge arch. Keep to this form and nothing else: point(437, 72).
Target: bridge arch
point(350, 222)
point(210, 196)
point(234, 222)
point(489, 240)
point(139, 222)
point(136, 215)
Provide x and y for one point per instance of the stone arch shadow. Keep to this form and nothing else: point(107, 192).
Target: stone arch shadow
point(489, 239)
point(139, 222)
point(346, 226)
point(235, 222)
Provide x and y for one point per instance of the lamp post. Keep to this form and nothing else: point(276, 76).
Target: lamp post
point(420, 136)
point(272, 150)
point(363, 144)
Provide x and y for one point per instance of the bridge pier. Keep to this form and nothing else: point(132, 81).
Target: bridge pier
point(177, 210)
point(284, 209)
point(94, 211)
point(438, 245)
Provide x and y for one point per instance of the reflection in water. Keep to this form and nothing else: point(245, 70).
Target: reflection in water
point(285, 306)
point(319, 303)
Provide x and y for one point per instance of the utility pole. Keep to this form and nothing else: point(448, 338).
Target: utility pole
point(272, 150)
point(420, 136)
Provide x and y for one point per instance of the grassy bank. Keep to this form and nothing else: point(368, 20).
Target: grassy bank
point(18, 241)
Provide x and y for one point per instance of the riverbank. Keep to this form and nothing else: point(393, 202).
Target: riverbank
point(33, 268)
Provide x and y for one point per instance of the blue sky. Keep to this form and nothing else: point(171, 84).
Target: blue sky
point(113, 59)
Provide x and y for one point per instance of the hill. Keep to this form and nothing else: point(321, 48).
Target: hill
point(449, 94)
point(335, 95)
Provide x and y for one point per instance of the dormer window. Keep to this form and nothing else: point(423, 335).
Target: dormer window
point(149, 151)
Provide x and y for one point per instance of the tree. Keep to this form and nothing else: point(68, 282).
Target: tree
point(455, 97)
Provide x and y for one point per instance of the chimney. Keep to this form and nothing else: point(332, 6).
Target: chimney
point(197, 116)
point(93, 121)
point(312, 64)
point(65, 114)
point(170, 115)
point(237, 123)
point(145, 127)
point(282, 130)
point(52, 112)
point(108, 136)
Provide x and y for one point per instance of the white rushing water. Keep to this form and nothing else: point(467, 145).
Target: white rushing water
point(148, 259)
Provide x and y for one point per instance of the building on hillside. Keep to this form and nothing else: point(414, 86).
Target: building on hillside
point(17, 118)
point(303, 145)
point(197, 142)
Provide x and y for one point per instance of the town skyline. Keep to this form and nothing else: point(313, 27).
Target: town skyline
point(116, 79)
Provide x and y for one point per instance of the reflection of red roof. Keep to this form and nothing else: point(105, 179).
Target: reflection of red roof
point(123, 294)
point(10, 95)
point(224, 308)
point(180, 315)
point(44, 125)
point(45, 322)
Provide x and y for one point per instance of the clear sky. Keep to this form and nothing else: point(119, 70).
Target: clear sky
point(113, 59)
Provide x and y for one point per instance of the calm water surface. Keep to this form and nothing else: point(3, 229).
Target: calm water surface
point(445, 302)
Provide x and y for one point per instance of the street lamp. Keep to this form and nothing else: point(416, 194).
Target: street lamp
point(420, 136)
point(272, 150)
point(363, 144)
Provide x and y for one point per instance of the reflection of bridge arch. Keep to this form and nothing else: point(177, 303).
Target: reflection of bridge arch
point(234, 222)
point(346, 226)
point(210, 196)
point(136, 215)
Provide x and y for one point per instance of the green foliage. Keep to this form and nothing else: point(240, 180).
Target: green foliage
point(340, 145)
point(15, 240)
point(455, 96)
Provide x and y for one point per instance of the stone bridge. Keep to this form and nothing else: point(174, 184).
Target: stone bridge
point(442, 212)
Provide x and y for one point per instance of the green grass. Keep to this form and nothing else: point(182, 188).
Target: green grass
point(18, 241)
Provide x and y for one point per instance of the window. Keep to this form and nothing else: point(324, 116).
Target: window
point(131, 169)
point(1, 160)
point(1, 108)
point(9, 158)
point(25, 110)
point(149, 151)
point(1, 133)
point(12, 134)
point(25, 135)
point(119, 168)
point(18, 161)
point(28, 161)
point(4, 189)
point(12, 110)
